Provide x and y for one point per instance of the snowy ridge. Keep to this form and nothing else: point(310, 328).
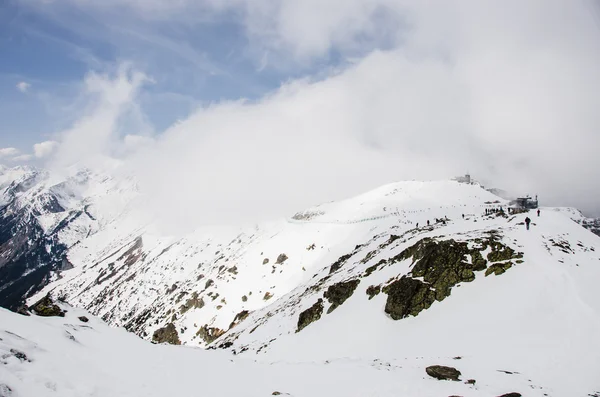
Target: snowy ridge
point(223, 267)
point(365, 280)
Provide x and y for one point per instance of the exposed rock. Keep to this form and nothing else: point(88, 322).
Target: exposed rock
point(171, 288)
point(441, 265)
point(225, 345)
point(406, 297)
point(511, 395)
point(209, 334)
point(244, 298)
point(241, 316)
point(166, 334)
point(193, 302)
point(23, 310)
point(339, 263)
point(233, 270)
point(338, 293)
point(501, 252)
point(209, 283)
point(281, 258)
point(373, 290)
point(267, 296)
point(498, 268)
point(310, 315)
point(83, 319)
point(45, 307)
point(443, 373)
point(471, 382)
point(180, 296)
point(477, 260)
point(265, 261)
point(371, 269)
point(19, 355)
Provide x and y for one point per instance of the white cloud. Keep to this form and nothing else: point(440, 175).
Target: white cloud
point(507, 91)
point(44, 149)
point(8, 152)
point(22, 158)
point(23, 86)
point(108, 100)
point(137, 141)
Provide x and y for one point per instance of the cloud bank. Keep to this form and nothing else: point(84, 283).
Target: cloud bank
point(8, 152)
point(507, 91)
point(44, 149)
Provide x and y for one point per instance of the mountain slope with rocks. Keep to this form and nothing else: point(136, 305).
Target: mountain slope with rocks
point(42, 217)
point(424, 272)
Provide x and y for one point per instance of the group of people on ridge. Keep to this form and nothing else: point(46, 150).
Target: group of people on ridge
point(528, 221)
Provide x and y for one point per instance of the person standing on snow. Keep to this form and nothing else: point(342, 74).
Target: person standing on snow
point(538, 212)
point(527, 222)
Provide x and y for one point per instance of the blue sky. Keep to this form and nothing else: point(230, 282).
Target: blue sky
point(51, 46)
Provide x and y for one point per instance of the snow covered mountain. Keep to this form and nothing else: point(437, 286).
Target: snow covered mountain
point(42, 217)
point(408, 275)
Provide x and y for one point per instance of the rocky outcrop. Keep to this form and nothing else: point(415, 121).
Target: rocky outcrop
point(438, 266)
point(406, 297)
point(28, 256)
point(194, 302)
point(45, 307)
point(498, 268)
point(338, 293)
point(241, 316)
point(281, 258)
point(267, 296)
point(373, 290)
point(166, 334)
point(337, 265)
point(209, 334)
point(310, 315)
point(443, 373)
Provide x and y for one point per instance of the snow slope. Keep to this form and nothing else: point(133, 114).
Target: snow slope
point(66, 357)
point(540, 318)
point(530, 309)
point(141, 280)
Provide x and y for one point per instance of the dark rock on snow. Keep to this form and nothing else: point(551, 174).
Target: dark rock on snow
point(443, 373)
point(310, 315)
point(166, 334)
point(338, 293)
point(45, 307)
